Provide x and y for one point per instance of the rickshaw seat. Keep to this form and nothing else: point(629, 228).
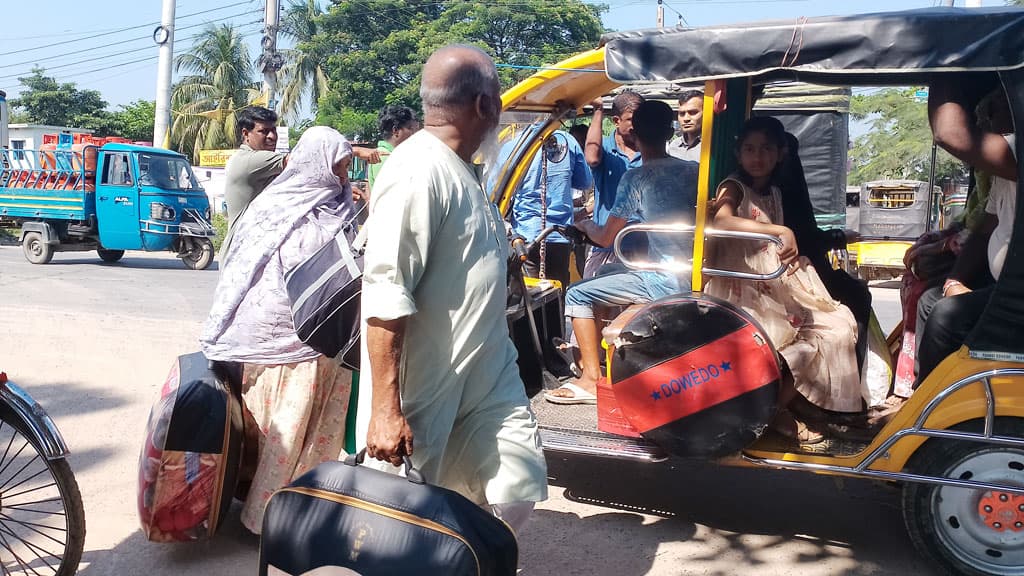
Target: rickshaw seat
point(611, 332)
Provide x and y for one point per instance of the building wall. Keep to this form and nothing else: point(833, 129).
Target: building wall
point(212, 180)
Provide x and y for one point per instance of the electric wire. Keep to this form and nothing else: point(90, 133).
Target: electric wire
point(22, 50)
point(110, 55)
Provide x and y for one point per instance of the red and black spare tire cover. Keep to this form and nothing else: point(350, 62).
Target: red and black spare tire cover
point(695, 375)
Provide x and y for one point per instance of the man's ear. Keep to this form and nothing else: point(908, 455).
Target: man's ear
point(481, 105)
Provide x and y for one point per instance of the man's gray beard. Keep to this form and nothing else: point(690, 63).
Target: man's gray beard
point(487, 155)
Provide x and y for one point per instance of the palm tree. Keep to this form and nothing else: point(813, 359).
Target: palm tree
point(218, 82)
point(303, 73)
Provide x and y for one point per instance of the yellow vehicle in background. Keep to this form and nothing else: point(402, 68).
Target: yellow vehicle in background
point(956, 446)
point(892, 214)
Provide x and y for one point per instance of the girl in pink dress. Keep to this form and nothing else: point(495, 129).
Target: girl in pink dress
point(815, 335)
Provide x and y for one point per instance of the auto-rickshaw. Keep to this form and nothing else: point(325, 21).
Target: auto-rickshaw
point(956, 446)
point(892, 214)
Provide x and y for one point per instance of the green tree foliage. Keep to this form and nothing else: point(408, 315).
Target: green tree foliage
point(134, 121)
point(375, 49)
point(358, 126)
point(219, 82)
point(43, 100)
point(898, 143)
point(304, 73)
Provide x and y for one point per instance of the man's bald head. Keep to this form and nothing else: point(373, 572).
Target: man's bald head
point(454, 77)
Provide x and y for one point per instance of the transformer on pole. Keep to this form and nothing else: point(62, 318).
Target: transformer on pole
point(270, 60)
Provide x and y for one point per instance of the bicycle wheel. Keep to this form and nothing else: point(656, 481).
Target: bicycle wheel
point(42, 522)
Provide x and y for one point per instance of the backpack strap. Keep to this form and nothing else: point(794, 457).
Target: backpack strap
point(360, 240)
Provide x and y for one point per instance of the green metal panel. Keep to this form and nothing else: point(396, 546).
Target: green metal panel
point(727, 125)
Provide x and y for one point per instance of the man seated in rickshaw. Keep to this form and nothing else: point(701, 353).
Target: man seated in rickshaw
point(663, 189)
point(815, 335)
point(555, 171)
point(932, 258)
point(954, 315)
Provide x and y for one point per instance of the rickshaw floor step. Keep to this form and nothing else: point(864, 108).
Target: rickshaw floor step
point(565, 416)
point(772, 441)
point(600, 444)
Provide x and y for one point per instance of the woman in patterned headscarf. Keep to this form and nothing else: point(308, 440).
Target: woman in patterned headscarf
point(297, 397)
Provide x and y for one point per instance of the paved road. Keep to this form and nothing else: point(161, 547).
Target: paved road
point(93, 343)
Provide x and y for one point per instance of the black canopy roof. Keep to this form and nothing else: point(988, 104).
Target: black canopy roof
point(909, 43)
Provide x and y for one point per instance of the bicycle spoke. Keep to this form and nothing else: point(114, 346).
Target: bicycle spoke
point(9, 443)
point(20, 470)
point(20, 507)
point(2, 488)
point(32, 526)
point(6, 544)
point(7, 496)
point(33, 548)
point(15, 457)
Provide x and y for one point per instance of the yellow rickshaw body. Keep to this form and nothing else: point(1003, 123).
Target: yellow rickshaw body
point(953, 394)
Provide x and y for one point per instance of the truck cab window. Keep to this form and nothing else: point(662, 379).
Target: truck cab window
point(117, 170)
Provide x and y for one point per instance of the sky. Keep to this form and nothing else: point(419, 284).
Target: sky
point(107, 45)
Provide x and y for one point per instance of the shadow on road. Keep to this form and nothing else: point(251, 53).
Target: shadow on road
point(234, 550)
point(69, 398)
point(132, 262)
point(855, 519)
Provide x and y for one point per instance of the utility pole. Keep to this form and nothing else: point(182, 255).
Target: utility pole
point(661, 14)
point(270, 61)
point(164, 38)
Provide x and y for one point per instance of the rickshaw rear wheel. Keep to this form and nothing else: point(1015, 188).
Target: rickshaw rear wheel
point(43, 520)
point(956, 528)
point(199, 255)
point(110, 255)
point(36, 250)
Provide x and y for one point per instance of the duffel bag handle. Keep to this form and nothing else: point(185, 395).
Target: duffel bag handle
point(411, 473)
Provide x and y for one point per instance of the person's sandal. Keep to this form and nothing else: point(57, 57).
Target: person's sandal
point(794, 429)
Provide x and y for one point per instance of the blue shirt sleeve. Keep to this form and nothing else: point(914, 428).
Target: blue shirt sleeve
point(582, 179)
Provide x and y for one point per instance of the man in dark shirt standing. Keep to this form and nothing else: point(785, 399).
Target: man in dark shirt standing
point(255, 164)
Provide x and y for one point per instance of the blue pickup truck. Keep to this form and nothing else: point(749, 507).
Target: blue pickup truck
point(109, 198)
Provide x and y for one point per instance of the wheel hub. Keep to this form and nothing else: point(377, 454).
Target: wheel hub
point(964, 524)
point(1001, 511)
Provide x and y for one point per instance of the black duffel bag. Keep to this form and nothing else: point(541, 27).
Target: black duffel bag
point(325, 291)
point(341, 514)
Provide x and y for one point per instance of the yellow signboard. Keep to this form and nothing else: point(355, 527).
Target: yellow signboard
point(214, 158)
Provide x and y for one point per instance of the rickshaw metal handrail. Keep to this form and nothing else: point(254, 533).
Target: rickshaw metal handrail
point(673, 267)
point(714, 233)
point(886, 239)
point(676, 267)
point(918, 429)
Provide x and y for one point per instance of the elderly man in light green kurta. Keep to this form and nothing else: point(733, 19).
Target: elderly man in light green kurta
point(445, 386)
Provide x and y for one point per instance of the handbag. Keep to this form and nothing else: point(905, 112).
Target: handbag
point(345, 518)
point(325, 291)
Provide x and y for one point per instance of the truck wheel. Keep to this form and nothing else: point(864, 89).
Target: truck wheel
point(110, 255)
point(200, 254)
point(965, 531)
point(36, 251)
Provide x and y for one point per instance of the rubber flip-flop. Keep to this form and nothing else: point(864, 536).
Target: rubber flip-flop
point(579, 395)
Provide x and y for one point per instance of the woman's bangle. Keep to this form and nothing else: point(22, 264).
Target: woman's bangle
point(949, 284)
